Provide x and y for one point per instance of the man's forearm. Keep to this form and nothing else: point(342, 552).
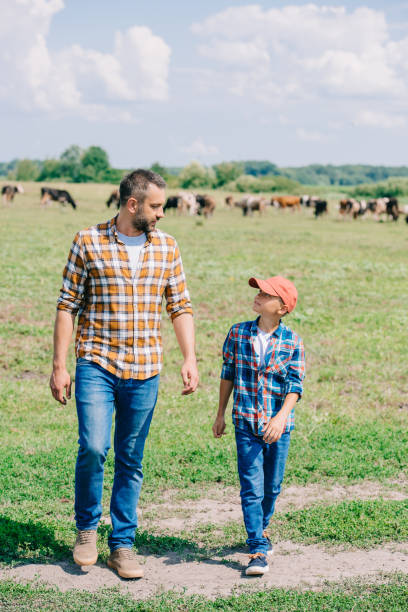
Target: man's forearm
point(226, 387)
point(63, 328)
point(184, 330)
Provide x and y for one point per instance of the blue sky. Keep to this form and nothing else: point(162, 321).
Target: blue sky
point(292, 82)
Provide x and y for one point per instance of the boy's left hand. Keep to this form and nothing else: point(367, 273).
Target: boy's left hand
point(274, 429)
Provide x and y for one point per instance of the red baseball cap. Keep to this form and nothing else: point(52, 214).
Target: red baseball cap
point(279, 286)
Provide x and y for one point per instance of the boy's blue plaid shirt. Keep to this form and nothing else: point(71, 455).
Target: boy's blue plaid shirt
point(259, 391)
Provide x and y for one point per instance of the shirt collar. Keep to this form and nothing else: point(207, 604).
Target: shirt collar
point(113, 232)
point(277, 333)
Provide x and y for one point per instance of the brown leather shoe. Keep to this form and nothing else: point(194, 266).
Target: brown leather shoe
point(85, 552)
point(124, 561)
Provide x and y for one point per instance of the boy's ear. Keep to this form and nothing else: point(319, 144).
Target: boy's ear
point(283, 310)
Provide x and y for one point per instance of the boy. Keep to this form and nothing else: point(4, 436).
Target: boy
point(264, 364)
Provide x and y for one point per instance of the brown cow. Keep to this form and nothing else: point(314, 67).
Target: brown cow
point(114, 198)
point(292, 202)
point(206, 205)
point(9, 191)
point(250, 203)
point(352, 207)
point(229, 201)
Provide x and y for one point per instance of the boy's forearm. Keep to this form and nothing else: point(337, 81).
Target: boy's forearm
point(289, 404)
point(226, 387)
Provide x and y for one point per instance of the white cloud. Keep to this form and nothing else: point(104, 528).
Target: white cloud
point(281, 56)
point(77, 80)
point(378, 119)
point(310, 135)
point(200, 149)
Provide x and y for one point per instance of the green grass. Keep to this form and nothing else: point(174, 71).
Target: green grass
point(350, 424)
point(392, 597)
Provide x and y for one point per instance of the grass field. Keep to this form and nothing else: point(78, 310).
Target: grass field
point(351, 426)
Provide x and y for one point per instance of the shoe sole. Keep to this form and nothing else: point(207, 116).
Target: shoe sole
point(256, 571)
point(122, 574)
point(88, 561)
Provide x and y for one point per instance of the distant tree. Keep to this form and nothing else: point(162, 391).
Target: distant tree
point(226, 172)
point(27, 170)
point(196, 175)
point(112, 175)
point(260, 168)
point(70, 161)
point(51, 169)
point(156, 167)
point(95, 158)
point(72, 155)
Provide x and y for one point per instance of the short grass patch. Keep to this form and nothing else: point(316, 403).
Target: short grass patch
point(389, 597)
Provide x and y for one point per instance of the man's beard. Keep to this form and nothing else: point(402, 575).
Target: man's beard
point(140, 223)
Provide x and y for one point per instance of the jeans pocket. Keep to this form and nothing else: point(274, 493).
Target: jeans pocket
point(83, 361)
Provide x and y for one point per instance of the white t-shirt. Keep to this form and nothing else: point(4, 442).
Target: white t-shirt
point(260, 344)
point(134, 246)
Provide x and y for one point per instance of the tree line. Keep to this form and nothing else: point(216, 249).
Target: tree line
point(92, 165)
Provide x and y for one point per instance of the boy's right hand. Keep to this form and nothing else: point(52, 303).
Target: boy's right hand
point(219, 427)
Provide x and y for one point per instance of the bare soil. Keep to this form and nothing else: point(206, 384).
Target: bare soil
point(290, 566)
point(222, 505)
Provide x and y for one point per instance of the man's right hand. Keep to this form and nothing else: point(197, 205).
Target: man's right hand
point(60, 383)
point(219, 427)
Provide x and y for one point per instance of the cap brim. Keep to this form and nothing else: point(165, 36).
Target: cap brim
point(263, 285)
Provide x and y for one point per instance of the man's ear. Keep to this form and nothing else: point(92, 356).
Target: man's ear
point(132, 204)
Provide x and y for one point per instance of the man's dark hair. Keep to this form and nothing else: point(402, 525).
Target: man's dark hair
point(136, 183)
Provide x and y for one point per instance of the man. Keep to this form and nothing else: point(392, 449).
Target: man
point(115, 278)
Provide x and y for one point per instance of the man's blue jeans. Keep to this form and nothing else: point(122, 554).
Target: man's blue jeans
point(98, 393)
point(261, 467)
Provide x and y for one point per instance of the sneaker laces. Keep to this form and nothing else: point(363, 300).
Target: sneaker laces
point(85, 537)
point(256, 555)
point(128, 553)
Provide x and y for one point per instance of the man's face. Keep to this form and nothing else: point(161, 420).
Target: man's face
point(269, 305)
point(151, 211)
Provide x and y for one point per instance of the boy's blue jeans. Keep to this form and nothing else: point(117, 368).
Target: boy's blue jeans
point(98, 393)
point(261, 467)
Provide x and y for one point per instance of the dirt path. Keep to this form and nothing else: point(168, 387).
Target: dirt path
point(221, 505)
point(290, 566)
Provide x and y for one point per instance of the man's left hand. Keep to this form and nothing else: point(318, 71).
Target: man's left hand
point(274, 429)
point(189, 374)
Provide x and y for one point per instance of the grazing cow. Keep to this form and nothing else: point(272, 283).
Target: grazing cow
point(58, 195)
point(384, 206)
point(251, 203)
point(308, 201)
point(114, 198)
point(171, 202)
point(9, 191)
point(229, 201)
point(187, 203)
point(352, 207)
point(292, 202)
point(206, 205)
point(320, 207)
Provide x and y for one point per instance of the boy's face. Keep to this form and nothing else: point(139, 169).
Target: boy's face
point(269, 305)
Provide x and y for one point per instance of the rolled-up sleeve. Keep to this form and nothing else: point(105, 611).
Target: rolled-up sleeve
point(296, 370)
point(74, 279)
point(228, 356)
point(176, 292)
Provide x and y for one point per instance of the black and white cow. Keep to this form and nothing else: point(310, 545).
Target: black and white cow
point(58, 195)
